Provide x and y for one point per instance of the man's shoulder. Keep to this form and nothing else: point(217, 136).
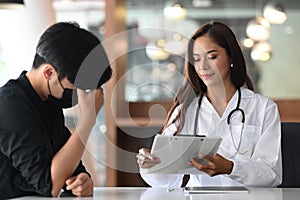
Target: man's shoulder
point(11, 89)
point(12, 96)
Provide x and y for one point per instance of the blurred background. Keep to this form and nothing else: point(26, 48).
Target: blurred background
point(145, 41)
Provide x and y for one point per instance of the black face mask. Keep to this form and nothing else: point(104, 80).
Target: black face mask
point(67, 101)
point(69, 98)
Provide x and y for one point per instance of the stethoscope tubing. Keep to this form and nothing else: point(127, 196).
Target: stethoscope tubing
point(229, 116)
point(237, 109)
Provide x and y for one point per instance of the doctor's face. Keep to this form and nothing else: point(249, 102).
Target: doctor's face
point(211, 62)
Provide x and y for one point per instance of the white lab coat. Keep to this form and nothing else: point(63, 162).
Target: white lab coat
point(260, 166)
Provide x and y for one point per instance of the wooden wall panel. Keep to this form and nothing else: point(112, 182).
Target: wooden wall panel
point(114, 24)
point(289, 110)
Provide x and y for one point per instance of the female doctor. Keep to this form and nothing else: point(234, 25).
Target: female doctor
point(217, 99)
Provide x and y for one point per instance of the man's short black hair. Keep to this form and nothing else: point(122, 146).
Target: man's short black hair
point(66, 46)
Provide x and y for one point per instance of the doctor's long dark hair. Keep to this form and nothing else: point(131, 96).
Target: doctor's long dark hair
point(192, 85)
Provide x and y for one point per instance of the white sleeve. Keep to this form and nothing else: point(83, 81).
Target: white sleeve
point(264, 168)
point(163, 180)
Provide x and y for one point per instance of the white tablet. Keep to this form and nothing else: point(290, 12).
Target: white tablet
point(215, 189)
point(175, 152)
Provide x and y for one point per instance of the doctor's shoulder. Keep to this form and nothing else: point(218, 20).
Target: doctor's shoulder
point(257, 98)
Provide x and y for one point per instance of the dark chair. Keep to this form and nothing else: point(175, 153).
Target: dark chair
point(290, 146)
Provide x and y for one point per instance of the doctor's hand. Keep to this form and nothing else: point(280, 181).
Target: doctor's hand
point(215, 165)
point(80, 185)
point(145, 159)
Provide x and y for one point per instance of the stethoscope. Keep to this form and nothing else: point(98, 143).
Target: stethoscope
point(237, 109)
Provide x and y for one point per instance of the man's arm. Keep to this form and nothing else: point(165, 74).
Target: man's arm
point(68, 157)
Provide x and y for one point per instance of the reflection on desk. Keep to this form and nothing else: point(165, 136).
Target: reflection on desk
point(144, 193)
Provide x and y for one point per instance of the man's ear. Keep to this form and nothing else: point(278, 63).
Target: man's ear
point(48, 71)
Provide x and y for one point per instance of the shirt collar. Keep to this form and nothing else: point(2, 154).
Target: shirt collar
point(33, 95)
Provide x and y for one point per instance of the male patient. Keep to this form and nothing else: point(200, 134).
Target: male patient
point(38, 154)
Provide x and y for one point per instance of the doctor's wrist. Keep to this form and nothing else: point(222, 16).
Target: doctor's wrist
point(230, 167)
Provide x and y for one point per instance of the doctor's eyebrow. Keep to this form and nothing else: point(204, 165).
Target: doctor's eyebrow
point(211, 51)
point(208, 52)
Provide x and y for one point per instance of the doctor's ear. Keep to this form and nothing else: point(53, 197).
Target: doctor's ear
point(48, 71)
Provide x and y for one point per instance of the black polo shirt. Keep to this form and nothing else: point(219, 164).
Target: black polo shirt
point(31, 132)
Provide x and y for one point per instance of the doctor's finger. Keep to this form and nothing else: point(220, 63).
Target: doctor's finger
point(146, 152)
point(146, 159)
point(216, 160)
point(147, 163)
point(202, 167)
point(140, 157)
point(208, 158)
point(150, 164)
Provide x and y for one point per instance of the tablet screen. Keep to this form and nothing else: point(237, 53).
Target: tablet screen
point(175, 152)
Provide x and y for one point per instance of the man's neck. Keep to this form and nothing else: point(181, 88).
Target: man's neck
point(37, 82)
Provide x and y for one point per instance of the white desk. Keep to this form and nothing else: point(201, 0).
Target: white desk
point(142, 193)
